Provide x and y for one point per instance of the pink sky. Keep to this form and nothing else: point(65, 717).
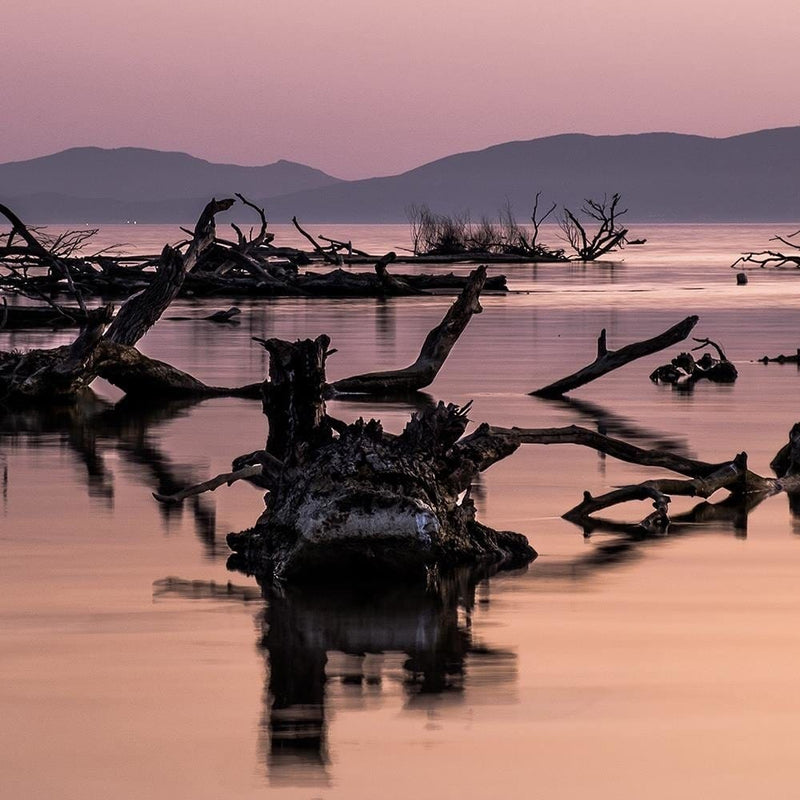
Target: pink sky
point(358, 87)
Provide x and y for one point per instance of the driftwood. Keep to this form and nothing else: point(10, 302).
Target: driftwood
point(777, 259)
point(608, 360)
point(19, 317)
point(705, 477)
point(330, 258)
point(225, 479)
point(781, 359)
point(105, 346)
point(249, 265)
point(349, 501)
point(56, 257)
point(683, 372)
point(353, 500)
point(435, 349)
point(609, 235)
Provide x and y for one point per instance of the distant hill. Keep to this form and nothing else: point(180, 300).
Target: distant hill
point(662, 177)
point(116, 183)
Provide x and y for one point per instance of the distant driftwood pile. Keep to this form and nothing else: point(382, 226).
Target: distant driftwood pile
point(47, 269)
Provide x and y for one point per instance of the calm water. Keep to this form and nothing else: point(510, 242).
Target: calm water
point(611, 668)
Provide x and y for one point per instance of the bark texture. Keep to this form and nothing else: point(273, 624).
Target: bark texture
point(363, 502)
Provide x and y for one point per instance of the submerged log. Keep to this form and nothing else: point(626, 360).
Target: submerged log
point(19, 317)
point(608, 360)
point(61, 373)
point(435, 349)
point(781, 359)
point(683, 372)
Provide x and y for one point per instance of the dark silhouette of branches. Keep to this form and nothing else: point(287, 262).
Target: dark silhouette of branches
point(609, 235)
point(774, 258)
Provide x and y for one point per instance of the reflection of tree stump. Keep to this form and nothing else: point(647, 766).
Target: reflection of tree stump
point(306, 631)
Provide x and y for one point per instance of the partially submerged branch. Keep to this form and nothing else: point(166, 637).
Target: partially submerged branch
point(435, 349)
point(608, 360)
point(224, 479)
point(789, 256)
point(60, 373)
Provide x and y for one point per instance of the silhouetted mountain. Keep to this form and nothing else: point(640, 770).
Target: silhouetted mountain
point(136, 175)
point(661, 176)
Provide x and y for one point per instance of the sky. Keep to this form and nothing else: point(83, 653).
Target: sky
point(363, 87)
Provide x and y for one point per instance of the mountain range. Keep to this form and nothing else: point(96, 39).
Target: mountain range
point(664, 177)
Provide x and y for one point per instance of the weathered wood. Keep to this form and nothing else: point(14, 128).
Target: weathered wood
point(19, 317)
point(138, 375)
point(392, 286)
point(365, 502)
point(143, 310)
point(435, 349)
point(59, 373)
point(683, 372)
point(331, 259)
point(728, 476)
point(223, 479)
point(293, 397)
point(609, 235)
point(777, 259)
point(608, 360)
point(781, 359)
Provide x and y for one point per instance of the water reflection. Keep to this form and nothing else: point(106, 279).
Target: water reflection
point(368, 642)
point(611, 423)
point(631, 540)
point(91, 427)
point(405, 403)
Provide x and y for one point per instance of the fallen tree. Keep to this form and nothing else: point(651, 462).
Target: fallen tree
point(782, 359)
point(105, 346)
point(609, 360)
point(435, 349)
point(776, 259)
point(350, 500)
point(42, 268)
point(345, 499)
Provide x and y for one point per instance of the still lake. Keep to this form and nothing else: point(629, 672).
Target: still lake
point(610, 668)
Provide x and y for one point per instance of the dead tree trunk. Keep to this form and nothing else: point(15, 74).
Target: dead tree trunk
point(60, 373)
point(435, 349)
point(608, 360)
point(293, 397)
point(365, 503)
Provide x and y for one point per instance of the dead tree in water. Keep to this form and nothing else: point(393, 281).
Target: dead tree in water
point(252, 264)
point(774, 258)
point(435, 349)
point(610, 235)
point(60, 373)
point(518, 241)
point(608, 360)
point(354, 500)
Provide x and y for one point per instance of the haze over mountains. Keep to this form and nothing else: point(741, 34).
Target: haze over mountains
point(662, 177)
